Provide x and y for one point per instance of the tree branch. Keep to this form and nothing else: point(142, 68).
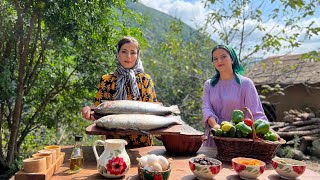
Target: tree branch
point(2, 160)
point(17, 109)
point(33, 51)
point(34, 73)
point(50, 95)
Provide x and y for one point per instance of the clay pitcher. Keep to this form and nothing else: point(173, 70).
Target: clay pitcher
point(114, 162)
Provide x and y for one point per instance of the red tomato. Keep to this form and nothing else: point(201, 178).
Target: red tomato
point(248, 122)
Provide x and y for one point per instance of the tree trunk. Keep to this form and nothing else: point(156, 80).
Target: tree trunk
point(311, 121)
point(285, 129)
point(298, 133)
point(23, 55)
point(309, 127)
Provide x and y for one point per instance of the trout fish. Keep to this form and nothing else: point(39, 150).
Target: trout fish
point(134, 107)
point(143, 122)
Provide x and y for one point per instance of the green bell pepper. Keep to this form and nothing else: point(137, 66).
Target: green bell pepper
point(237, 116)
point(271, 136)
point(232, 132)
point(224, 134)
point(239, 134)
point(213, 131)
point(216, 132)
point(261, 126)
point(245, 129)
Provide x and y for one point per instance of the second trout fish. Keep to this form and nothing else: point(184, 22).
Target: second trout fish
point(134, 107)
point(137, 121)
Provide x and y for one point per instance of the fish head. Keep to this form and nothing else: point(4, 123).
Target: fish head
point(106, 104)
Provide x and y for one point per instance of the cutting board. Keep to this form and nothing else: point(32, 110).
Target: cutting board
point(95, 130)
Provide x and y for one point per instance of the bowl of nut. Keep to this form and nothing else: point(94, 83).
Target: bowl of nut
point(205, 167)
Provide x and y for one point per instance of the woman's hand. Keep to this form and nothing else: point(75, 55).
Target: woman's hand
point(87, 113)
point(213, 123)
point(217, 126)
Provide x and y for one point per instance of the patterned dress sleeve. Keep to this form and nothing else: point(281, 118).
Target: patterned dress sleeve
point(99, 92)
point(147, 90)
point(105, 88)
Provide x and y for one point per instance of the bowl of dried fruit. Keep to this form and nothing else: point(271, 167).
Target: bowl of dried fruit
point(205, 167)
point(288, 168)
point(248, 168)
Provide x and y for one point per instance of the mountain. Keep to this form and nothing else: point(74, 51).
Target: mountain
point(158, 23)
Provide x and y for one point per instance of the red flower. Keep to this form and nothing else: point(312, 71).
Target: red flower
point(238, 167)
point(158, 177)
point(215, 169)
point(192, 166)
point(274, 165)
point(299, 169)
point(261, 169)
point(116, 166)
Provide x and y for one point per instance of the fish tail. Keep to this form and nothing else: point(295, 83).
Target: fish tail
point(175, 109)
point(178, 120)
point(144, 132)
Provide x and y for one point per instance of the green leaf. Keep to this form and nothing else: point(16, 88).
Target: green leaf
point(249, 169)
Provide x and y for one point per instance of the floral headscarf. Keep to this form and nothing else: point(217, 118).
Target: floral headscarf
point(129, 75)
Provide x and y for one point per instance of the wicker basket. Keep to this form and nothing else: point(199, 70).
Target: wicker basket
point(229, 147)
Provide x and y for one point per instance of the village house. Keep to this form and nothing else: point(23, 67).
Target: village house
point(298, 75)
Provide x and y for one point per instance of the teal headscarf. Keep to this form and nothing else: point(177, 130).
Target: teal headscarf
point(236, 65)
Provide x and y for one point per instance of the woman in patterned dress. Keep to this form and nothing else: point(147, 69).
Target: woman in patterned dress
point(128, 82)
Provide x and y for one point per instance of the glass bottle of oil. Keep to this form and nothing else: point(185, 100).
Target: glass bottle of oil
point(76, 158)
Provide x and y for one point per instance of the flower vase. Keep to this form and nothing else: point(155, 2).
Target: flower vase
point(114, 162)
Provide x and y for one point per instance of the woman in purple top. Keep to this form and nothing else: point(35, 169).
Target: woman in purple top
point(226, 91)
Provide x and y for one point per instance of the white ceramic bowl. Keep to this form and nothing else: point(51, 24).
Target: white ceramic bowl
point(205, 171)
point(246, 171)
point(288, 168)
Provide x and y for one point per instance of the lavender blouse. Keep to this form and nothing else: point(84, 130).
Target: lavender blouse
point(220, 101)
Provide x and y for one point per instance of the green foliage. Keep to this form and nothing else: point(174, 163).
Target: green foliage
point(52, 55)
point(287, 150)
point(185, 65)
point(69, 44)
point(268, 89)
point(276, 28)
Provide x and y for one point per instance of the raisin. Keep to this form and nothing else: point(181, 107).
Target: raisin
point(205, 161)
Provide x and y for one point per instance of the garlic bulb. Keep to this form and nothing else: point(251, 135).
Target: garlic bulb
point(152, 162)
point(148, 168)
point(152, 159)
point(163, 162)
point(142, 161)
point(156, 167)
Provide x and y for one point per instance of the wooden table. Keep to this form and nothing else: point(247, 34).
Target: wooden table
point(180, 167)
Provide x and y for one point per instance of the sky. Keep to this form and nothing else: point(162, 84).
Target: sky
point(193, 13)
